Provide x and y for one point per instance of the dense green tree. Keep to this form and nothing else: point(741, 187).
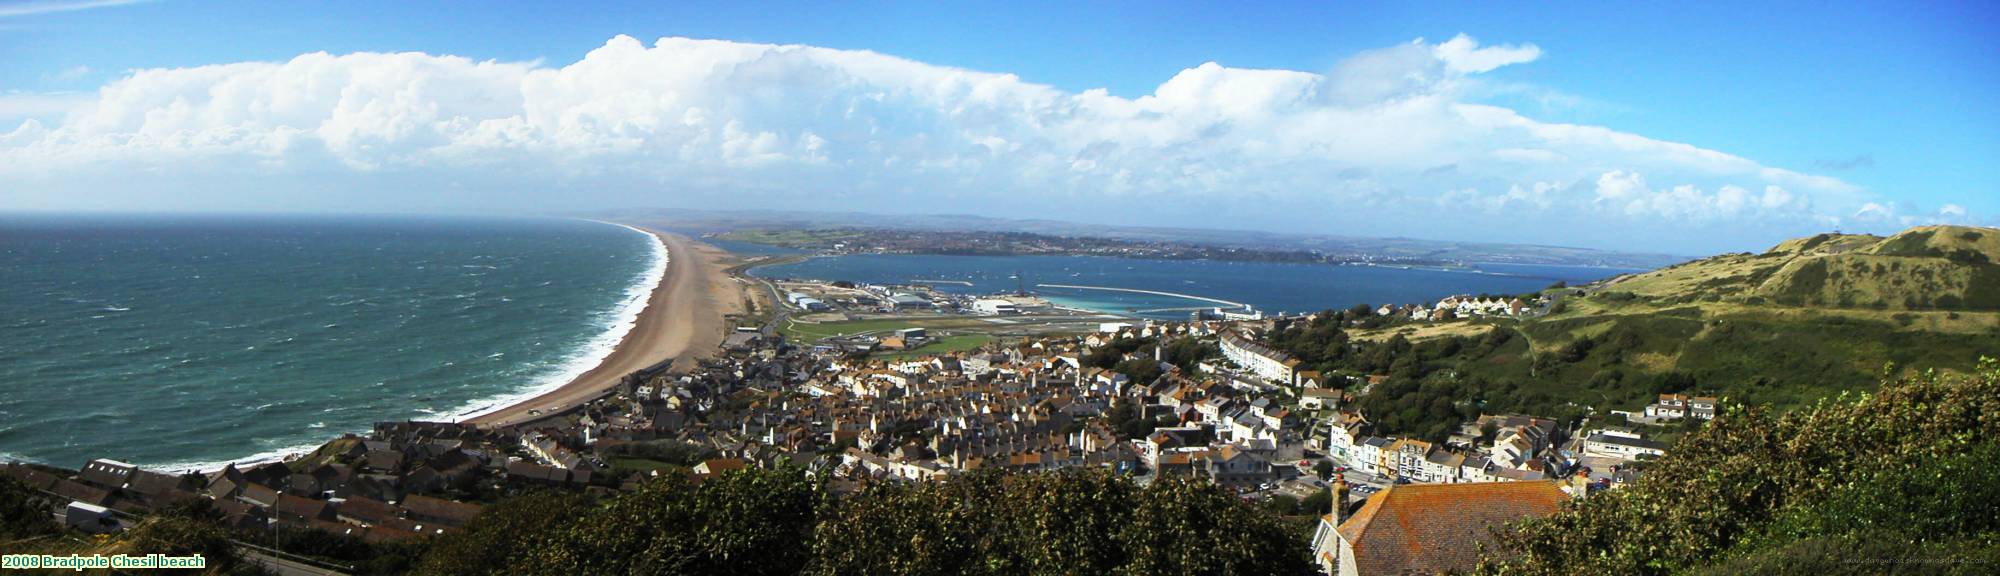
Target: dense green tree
point(1186, 352)
point(1076, 521)
point(505, 534)
point(1068, 522)
point(1142, 371)
point(745, 522)
point(1320, 502)
point(180, 536)
point(1908, 468)
point(1191, 527)
point(1109, 355)
point(917, 529)
point(1060, 523)
point(24, 513)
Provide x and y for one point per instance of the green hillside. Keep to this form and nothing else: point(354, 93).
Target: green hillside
point(1806, 320)
point(1953, 268)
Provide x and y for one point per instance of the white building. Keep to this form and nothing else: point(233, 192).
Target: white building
point(907, 302)
point(1236, 315)
point(1340, 441)
point(1621, 446)
point(994, 307)
point(1675, 406)
point(1271, 364)
point(1367, 455)
point(1670, 406)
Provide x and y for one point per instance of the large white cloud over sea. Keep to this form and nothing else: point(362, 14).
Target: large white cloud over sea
point(1391, 141)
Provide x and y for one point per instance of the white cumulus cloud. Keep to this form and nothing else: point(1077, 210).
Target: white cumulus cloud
point(1463, 54)
point(709, 122)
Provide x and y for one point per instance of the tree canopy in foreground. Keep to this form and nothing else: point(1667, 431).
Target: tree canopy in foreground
point(781, 522)
point(1900, 481)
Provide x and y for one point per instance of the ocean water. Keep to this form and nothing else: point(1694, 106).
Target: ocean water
point(1271, 287)
point(183, 342)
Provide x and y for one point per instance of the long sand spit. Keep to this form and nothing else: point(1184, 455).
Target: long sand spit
point(684, 320)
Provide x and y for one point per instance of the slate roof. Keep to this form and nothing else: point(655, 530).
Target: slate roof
point(81, 492)
point(302, 510)
point(368, 510)
point(110, 474)
point(36, 479)
point(440, 510)
point(1436, 528)
point(157, 484)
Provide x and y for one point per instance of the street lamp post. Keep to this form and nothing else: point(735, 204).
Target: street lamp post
point(276, 517)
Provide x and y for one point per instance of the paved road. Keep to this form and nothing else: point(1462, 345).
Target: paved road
point(283, 567)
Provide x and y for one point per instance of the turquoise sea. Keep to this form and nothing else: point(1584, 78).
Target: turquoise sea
point(185, 341)
point(1270, 287)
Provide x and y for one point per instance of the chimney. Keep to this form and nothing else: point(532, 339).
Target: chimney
point(1579, 484)
point(1339, 497)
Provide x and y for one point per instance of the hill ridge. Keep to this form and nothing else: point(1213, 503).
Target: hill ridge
point(1939, 267)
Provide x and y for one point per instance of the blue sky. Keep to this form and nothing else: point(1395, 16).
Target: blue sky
point(1883, 114)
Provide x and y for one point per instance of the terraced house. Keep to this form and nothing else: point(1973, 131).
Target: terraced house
point(1259, 359)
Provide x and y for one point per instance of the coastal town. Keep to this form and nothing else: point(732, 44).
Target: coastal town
point(1202, 397)
point(999, 289)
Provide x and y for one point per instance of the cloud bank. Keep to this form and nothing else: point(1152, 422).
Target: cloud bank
point(1390, 141)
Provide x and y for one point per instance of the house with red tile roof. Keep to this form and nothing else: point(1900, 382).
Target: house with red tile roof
point(1427, 528)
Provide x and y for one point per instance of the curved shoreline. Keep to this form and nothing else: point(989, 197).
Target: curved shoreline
point(603, 371)
point(681, 321)
point(638, 299)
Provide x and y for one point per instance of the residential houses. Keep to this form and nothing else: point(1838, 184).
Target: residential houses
point(1027, 405)
point(1677, 406)
point(1259, 359)
point(1519, 448)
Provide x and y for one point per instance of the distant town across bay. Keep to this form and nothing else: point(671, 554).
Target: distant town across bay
point(1268, 286)
point(977, 235)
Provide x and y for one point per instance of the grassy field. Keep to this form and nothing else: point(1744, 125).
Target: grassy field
point(792, 238)
point(622, 467)
point(1425, 331)
point(953, 343)
point(1929, 268)
point(810, 332)
point(1778, 359)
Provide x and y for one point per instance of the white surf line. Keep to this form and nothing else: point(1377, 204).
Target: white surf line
point(1153, 292)
point(593, 354)
point(638, 297)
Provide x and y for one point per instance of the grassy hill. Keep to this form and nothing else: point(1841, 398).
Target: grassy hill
point(1806, 320)
point(1810, 317)
point(1953, 268)
point(1817, 469)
